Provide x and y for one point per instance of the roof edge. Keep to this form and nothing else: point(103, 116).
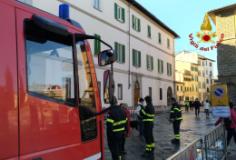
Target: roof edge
point(151, 16)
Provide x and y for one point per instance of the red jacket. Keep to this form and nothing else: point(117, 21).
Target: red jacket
point(232, 117)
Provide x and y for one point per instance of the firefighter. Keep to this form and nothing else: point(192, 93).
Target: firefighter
point(148, 115)
point(116, 128)
point(176, 118)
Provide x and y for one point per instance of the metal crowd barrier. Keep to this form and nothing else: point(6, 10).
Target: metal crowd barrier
point(212, 146)
point(191, 152)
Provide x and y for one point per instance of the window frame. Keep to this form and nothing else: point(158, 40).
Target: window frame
point(97, 5)
point(119, 52)
point(120, 91)
point(119, 13)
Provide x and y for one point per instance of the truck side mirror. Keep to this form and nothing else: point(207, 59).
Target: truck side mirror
point(106, 57)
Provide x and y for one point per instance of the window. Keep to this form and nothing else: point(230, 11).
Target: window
point(136, 24)
point(119, 13)
point(208, 90)
point(149, 32)
point(96, 4)
point(120, 52)
point(87, 104)
point(181, 88)
point(210, 64)
point(210, 73)
point(177, 88)
point(150, 91)
point(50, 69)
point(207, 81)
point(149, 62)
point(136, 58)
point(206, 72)
point(99, 88)
point(160, 66)
point(120, 91)
point(160, 93)
point(202, 63)
point(97, 45)
point(159, 38)
point(168, 43)
point(169, 69)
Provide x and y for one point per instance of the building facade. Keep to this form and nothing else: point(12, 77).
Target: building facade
point(197, 73)
point(224, 18)
point(144, 46)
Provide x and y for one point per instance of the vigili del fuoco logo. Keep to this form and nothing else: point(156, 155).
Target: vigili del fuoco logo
point(206, 38)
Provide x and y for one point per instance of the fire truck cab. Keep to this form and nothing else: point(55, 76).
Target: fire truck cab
point(48, 88)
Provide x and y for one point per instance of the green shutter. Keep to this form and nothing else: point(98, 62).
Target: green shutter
point(147, 61)
point(149, 31)
point(139, 25)
point(139, 59)
point(123, 53)
point(151, 63)
point(123, 14)
point(133, 22)
point(116, 50)
point(162, 69)
point(116, 11)
point(133, 57)
point(97, 45)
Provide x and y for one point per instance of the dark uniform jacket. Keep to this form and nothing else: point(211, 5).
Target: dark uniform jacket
point(116, 121)
point(148, 113)
point(175, 113)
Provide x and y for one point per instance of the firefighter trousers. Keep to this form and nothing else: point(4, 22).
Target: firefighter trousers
point(148, 135)
point(115, 144)
point(176, 127)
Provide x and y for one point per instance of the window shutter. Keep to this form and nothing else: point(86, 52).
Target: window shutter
point(147, 61)
point(116, 50)
point(139, 59)
point(123, 53)
point(123, 14)
point(97, 45)
point(116, 11)
point(133, 22)
point(151, 63)
point(133, 57)
point(139, 25)
point(162, 69)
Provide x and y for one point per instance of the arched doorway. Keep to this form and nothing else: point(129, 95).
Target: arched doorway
point(136, 92)
point(169, 96)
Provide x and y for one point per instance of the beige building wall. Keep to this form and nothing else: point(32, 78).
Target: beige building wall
point(225, 21)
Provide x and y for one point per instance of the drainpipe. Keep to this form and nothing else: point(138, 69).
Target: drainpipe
point(129, 72)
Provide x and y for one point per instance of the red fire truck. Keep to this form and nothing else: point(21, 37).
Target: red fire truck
point(48, 87)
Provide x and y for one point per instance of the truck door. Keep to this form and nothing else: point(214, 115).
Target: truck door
point(54, 109)
point(8, 84)
point(49, 121)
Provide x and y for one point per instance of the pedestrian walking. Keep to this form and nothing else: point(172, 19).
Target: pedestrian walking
point(206, 105)
point(148, 115)
point(176, 118)
point(197, 106)
point(139, 107)
point(124, 107)
point(186, 105)
point(229, 124)
point(116, 128)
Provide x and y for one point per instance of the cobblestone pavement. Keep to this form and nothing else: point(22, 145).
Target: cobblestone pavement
point(191, 129)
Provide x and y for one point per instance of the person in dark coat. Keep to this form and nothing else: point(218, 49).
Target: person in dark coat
point(197, 106)
point(116, 128)
point(148, 115)
point(176, 118)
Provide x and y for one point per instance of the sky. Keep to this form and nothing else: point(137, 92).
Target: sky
point(185, 17)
